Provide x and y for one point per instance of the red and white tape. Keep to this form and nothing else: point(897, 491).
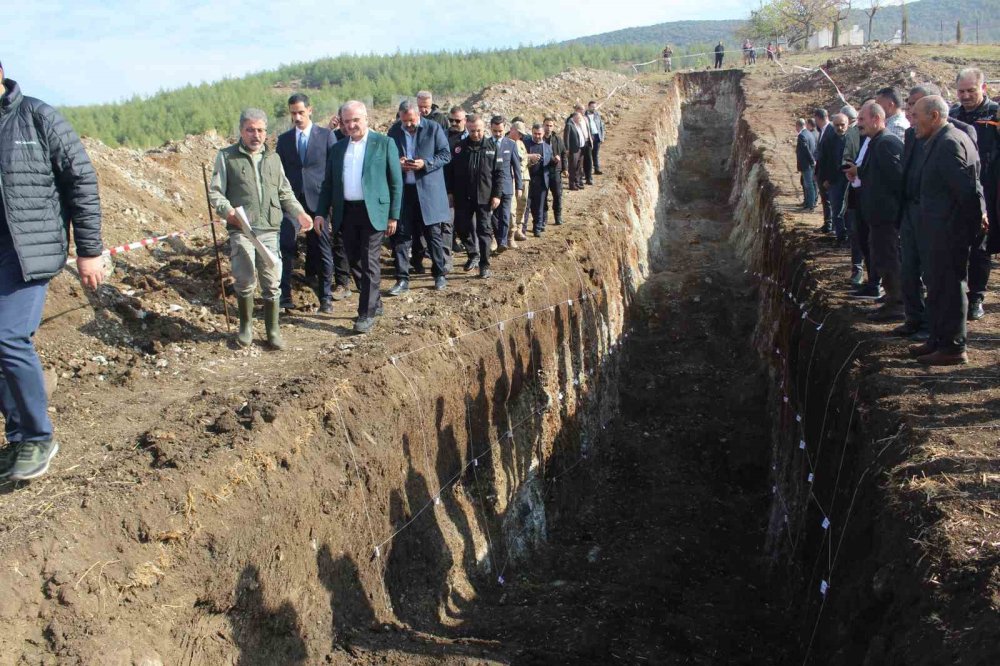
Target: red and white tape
point(146, 242)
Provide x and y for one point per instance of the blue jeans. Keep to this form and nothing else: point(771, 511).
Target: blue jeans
point(23, 401)
point(809, 186)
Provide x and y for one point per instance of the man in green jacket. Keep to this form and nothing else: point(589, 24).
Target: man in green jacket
point(362, 196)
point(249, 174)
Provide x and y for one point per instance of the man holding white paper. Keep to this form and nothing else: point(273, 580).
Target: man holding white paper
point(249, 175)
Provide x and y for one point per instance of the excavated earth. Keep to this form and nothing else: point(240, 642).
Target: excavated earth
point(661, 434)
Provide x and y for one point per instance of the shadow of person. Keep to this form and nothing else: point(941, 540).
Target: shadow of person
point(264, 636)
point(419, 560)
point(350, 608)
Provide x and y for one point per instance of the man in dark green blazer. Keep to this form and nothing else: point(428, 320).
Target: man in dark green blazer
point(361, 196)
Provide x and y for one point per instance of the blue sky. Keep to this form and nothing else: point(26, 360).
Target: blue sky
point(81, 52)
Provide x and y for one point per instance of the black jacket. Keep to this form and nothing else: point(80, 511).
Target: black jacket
point(476, 176)
point(558, 150)
point(805, 150)
point(830, 156)
point(881, 174)
point(951, 196)
point(46, 183)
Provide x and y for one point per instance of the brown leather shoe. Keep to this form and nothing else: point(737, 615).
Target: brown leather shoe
point(944, 358)
point(916, 351)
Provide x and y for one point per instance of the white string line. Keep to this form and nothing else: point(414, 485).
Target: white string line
point(428, 469)
point(364, 493)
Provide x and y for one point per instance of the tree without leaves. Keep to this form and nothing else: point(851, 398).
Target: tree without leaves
point(873, 7)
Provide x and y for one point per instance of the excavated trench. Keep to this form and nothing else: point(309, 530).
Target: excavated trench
point(598, 482)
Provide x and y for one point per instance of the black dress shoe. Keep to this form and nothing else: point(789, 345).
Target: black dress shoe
point(471, 265)
point(400, 287)
point(868, 291)
point(326, 307)
point(440, 283)
point(485, 272)
point(364, 325)
point(286, 303)
point(906, 329)
point(976, 310)
point(598, 173)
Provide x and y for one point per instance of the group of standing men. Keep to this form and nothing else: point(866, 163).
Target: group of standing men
point(912, 186)
point(434, 184)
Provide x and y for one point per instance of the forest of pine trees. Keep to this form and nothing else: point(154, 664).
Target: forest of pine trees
point(145, 122)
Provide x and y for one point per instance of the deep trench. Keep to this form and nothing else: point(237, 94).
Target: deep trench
point(655, 554)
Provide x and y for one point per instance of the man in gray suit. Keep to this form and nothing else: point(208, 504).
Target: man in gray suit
point(805, 163)
point(879, 179)
point(953, 216)
point(510, 159)
point(423, 153)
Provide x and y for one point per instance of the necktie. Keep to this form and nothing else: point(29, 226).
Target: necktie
point(302, 147)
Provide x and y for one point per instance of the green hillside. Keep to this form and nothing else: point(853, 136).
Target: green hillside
point(927, 16)
point(926, 20)
point(145, 122)
point(676, 33)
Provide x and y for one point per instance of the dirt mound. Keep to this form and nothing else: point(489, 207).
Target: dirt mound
point(860, 73)
point(533, 100)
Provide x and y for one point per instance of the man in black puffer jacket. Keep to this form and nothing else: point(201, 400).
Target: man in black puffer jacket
point(46, 184)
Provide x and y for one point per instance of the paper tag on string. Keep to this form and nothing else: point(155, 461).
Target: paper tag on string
point(825, 524)
point(802, 444)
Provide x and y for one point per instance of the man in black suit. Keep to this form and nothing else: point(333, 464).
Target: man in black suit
point(976, 108)
point(880, 178)
point(510, 159)
point(475, 183)
point(539, 160)
point(830, 176)
point(915, 245)
point(826, 134)
point(302, 150)
point(953, 216)
point(423, 154)
point(557, 168)
point(805, 163)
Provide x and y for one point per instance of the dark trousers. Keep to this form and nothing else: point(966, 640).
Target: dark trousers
point(537, 194)
point(588, 164)
point(864, 239)
point(555, 188)
point(853, 223)
point(946, 289)
point(718, 60)
point(979, 269)
point(915, 258)
point(326, 260)
point(23, 400)
point(835, 197)
point(411, 226)
point(883, 248)
point(363, 243)
point(824, 197)
point(501, 220)
point(808, 180)
point(473, 224)
point(596, 152)
point(575, 170)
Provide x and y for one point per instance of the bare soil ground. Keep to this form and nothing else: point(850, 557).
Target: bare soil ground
point(173, 441)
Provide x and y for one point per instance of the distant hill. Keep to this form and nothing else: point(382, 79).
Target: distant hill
point(926, 20)
point(927, 17)
point(675, 33)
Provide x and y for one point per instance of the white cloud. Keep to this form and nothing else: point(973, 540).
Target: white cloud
point(84, 52)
